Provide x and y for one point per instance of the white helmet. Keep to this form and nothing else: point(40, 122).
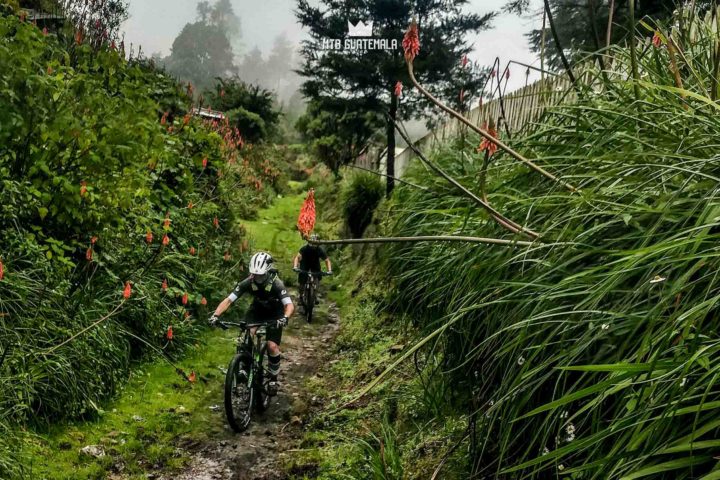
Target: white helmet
point(260, 263)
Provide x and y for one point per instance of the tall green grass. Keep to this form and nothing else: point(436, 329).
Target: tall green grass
point(594, 353)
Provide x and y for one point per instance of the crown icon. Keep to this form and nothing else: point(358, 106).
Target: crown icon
point(360, 30)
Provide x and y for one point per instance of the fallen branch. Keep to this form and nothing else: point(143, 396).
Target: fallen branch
point(429, 238)
point(497, 216)
point(482, 132)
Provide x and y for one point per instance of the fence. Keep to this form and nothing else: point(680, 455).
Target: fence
point(515, 111)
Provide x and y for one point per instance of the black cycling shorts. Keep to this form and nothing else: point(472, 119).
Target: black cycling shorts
point(273, 334)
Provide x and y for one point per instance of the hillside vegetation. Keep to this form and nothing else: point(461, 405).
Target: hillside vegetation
point(592, 353)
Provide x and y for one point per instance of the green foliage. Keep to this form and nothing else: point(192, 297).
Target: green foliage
point(89, 164)
point(593, 353)
point(250, 108)
point(360, 198)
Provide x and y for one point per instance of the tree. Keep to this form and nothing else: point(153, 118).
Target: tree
point(337, 129)
point(254, 69)
point(250, 108)
point(366, 79)
point(203, 50)
point(582, 26)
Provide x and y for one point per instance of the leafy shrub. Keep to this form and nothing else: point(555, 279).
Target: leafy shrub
point(99, 163)
point(360, 198)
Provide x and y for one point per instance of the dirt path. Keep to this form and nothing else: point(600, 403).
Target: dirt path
point(257, 453)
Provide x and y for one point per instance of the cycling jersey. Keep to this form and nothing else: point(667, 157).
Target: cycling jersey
point(269, 299)
point(310, 256)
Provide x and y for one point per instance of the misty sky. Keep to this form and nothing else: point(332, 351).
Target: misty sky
point(154, 24)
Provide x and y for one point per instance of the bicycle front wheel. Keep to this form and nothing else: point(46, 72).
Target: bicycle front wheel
point(239, 394)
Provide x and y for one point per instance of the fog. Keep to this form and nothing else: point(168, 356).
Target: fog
point(154, 25)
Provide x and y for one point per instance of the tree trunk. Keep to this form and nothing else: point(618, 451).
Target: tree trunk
point(390, 157)
point(558, 45)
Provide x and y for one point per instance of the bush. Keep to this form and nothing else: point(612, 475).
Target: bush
point(360, 198)
point(99, 162)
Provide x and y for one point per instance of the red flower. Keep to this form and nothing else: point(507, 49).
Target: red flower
point(190, 206)
point(203, 301)
point(486, 144)
point(656, 40)
point(149, 237)
point(2, 270)
point(411, 42)
point(163, 287)
point(216, 222)
point(186, 120)
point(204, 162)
point(166, 240)
point(113, 46)
point(398, 89)
point(164, 118)
point(169, 334)
point(93, 240)
point(78, 37)
point(128, 290)
point(192, 250)
point(192, 377)
point(306, 220)
point(166, 224)
point(83, 188)
point(464, 61)
point(89, 254)
point(185, 298)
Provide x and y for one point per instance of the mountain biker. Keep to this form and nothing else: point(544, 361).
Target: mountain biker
point(308, 259)
point(271, 301)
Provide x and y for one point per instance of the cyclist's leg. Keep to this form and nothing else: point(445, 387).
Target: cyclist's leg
point(274, 337)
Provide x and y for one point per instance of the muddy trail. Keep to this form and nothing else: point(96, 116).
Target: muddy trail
point(257, 453)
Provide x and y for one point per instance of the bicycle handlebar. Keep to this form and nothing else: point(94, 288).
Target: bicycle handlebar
point(242, 325)
point(320, 274)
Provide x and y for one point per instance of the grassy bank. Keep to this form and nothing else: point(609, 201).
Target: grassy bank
point(157, 415)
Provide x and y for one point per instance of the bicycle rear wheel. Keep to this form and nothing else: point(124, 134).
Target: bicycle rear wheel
point(309, 301)
point(239, 394)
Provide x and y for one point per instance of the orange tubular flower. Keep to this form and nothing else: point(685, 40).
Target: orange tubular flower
point(216, 222)
point(164, 285)
point(166, 240)
point(149, 237)
point(185, 298)
point(89, 254)
point(169, 334)
point(128, 291)
point(2, 270)
point(190, 206)
point(398, 89)
point(411, 42)
point(204, 162)
point(657, 40)
point(192, 250)
point(192, 377)
point(486, 144)
point(83, 188)
point(306, 220)
point(203, 301)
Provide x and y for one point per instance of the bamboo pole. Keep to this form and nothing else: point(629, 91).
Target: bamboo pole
point(430, 238)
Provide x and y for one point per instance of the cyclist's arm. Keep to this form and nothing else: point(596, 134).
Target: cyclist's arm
point(296, 261)
point(328, 265)
point(284, 296)
point(236, 293)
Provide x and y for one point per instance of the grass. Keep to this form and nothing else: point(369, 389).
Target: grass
point(157, 410)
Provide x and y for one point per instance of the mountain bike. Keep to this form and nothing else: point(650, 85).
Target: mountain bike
point(308, 292)
point(245, 380)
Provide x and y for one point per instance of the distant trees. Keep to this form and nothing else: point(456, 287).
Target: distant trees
point(250, 108)
point(203, 50)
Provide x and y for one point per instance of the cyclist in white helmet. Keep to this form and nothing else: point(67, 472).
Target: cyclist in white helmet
point(271, 304)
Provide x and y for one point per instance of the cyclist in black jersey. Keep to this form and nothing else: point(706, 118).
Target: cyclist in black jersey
point(308, 259)
point(271, 303)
